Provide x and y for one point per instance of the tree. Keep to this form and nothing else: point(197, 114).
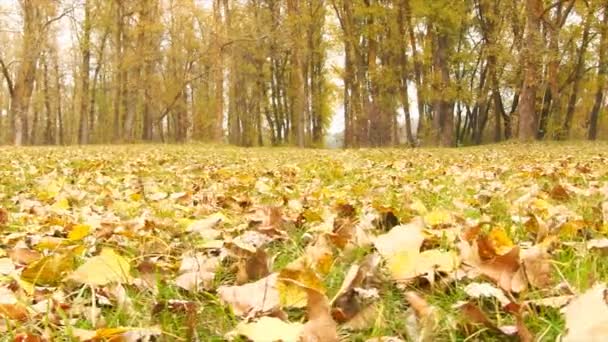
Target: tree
point(531, 60)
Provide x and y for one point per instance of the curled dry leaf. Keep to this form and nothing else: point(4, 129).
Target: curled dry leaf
point(253, 299)
point(349, 302)
point(421, 319)
point(320, 325)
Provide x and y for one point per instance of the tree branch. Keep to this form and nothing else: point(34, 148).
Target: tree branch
point(7, 76)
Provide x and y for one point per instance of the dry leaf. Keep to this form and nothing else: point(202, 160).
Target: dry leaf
point(587, 316)
point(320, 325)
point(253, 299)
point(106, 268)
point(422, 320)
point(268, 329)
point(478, 290)
point(197, 272)
point(49, 270)
point(537, 265)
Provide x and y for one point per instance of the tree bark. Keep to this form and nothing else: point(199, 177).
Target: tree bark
point(83, 128)
point(601, 77)
point(528, 121)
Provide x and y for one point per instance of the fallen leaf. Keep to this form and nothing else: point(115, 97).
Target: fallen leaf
point(206, 227)
point(252, 266)
point(10, 307)
point(106, 268)
point(587, 316)
point(478, 290)
point(6, 266)
point(253, 299)
point(537, 265)
point(50, 270)
point(401, 238)
point(552, 302)
point(421, 319)
point(24, 256)
point(197, 272)
point(293, 281)
point(268, 329)
point(3, 216)
point(79, 232)
point(320, 325)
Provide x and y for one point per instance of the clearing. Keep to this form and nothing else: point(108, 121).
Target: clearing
point(487, 243)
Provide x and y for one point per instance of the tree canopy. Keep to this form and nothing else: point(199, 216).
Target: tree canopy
point(272, 72)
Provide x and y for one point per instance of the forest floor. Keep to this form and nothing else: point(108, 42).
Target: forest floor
point(498, 242)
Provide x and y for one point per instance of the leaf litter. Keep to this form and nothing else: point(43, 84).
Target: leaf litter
point(194, 243)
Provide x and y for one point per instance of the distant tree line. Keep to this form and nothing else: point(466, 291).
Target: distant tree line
point(272, 72)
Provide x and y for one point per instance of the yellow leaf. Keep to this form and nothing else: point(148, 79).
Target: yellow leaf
point(135, 196)
point(108, 267)
point(48, 270)
point(62, 204)
point(293, 279)
point(438, 217)
point(49, 243)
point(79, 232)
point(500, 241)
point(410, 264)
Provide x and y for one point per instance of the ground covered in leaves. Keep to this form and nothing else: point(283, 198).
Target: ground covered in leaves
point(143, 243)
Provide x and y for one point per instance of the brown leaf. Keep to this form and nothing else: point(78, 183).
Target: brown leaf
point(537, 265)
point(320, 325)
point(253, 299)
point(3, 216)
point(558, 192)
point(24, 256)
point(504, 270)
point(197, 272)
point(252, 266)
point(421, 319)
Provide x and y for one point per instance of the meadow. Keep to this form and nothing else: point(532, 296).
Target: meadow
point(194, 242)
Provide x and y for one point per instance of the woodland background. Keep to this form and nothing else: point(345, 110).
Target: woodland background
point(302, 72)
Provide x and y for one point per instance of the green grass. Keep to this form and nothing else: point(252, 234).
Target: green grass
point(223, 178)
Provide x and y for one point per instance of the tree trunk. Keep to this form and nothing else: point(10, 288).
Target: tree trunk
point(444, 115)
point(83, 128)
point(601, 77)
point(218, 73)
point(528, 122)
point(297, 77)
point(578, 75)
